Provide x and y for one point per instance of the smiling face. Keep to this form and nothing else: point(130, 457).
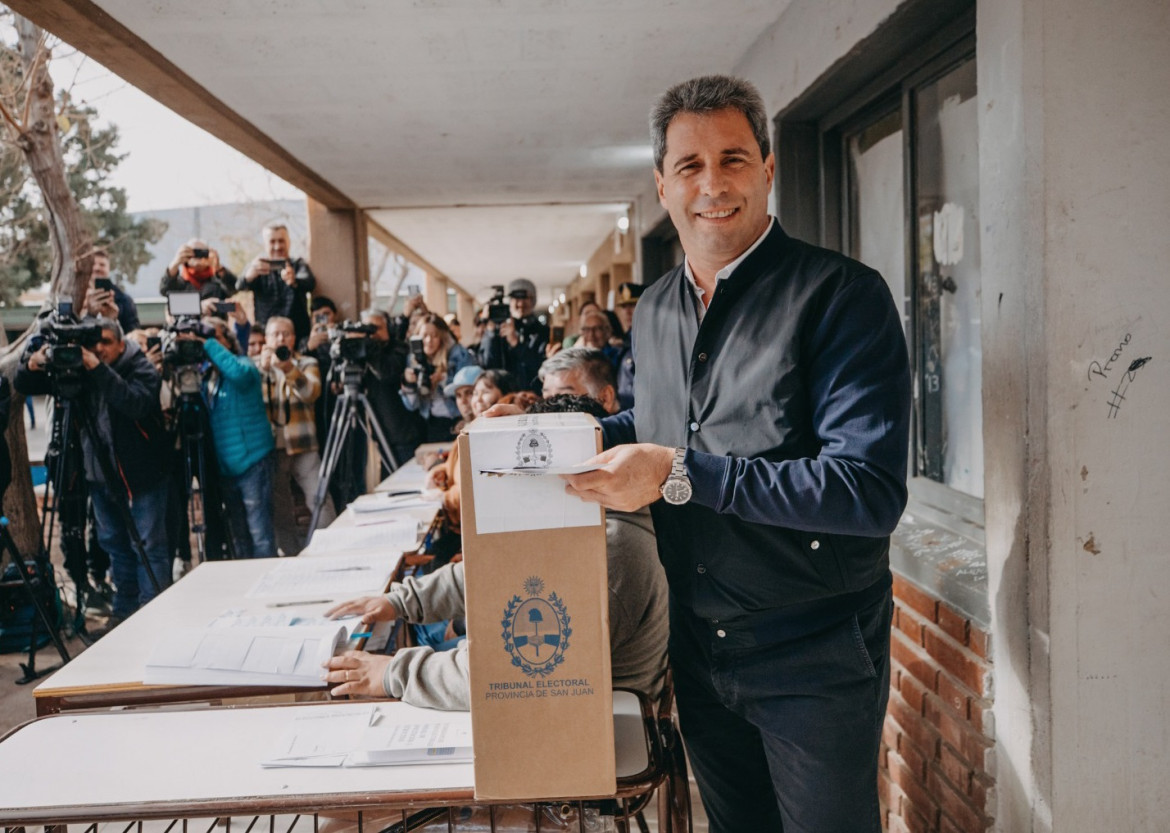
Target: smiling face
point(276, 243)
point(715, 186)
point(432, 340)
point(483, 396)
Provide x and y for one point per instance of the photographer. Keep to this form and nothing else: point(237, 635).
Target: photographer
point(435, 358)
point(291, 385)
point(120, 390)
point(196, 268)
point(279, 284)
point(403, 427)
point(105, 298)
point(243, 439)
point(515, 343)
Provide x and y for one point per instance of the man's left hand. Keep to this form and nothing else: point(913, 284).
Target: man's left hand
point(89, 358)
point(631, 477)
point(358, 672)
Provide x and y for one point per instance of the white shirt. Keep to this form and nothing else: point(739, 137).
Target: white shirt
point(722, 274)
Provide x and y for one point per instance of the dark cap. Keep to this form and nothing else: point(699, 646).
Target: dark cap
point(522, 286)
point(629, 293)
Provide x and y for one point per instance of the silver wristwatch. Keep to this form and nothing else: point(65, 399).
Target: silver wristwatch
point(677, 488)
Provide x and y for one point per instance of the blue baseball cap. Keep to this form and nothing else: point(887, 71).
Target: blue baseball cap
point(464, 378)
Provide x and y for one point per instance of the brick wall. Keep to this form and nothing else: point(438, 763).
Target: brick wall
point(938, 757)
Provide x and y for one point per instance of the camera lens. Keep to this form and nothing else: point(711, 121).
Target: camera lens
point(282, 353)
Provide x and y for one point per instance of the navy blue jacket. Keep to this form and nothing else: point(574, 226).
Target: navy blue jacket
point(792, 399)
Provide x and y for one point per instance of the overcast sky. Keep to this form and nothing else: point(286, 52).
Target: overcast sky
point(170, 162)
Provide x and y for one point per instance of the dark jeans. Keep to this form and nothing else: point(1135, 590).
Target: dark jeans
point(133, 587)
point(248, 500)
point(784, 736)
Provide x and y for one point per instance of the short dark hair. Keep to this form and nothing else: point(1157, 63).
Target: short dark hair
point(501, 380)
point(321, 302)
point(567, 403)
point(596, 366)
point(708, 94)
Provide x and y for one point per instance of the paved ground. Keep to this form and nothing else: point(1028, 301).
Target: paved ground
point(16, 701)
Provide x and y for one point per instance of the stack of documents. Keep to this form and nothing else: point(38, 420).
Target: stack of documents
point(278, 656)
point(373, 738)
point(391, 537)
point(382, 508)
point(338, 576)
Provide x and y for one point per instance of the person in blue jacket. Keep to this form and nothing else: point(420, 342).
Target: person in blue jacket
point(243, 440)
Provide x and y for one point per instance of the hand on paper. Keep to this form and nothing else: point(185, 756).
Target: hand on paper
point(630, 477)
point(371, 608)
point(358, 673)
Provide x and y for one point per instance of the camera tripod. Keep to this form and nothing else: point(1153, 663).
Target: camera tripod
point(192, 426)
point(71, 419)
point(352, 411)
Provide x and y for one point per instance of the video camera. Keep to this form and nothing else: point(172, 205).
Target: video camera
point(498, 309)
point(185, 308)
point(66, 337)
point(352, 342)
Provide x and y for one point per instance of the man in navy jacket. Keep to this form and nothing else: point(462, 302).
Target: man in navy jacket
point(770, 433)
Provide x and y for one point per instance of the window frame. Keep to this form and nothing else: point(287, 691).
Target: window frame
point(814, 132)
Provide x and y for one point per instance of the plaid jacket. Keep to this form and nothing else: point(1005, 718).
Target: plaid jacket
point(289, 399)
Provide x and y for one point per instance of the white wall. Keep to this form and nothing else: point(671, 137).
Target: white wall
point(1106, 167)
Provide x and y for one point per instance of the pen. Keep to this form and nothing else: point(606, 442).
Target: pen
point(296, 604)
point(344, 569)
point(357, 635)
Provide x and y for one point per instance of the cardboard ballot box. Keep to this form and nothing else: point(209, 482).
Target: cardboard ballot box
point(537, 611)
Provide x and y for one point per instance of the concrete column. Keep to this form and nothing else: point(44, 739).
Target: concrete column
point(436, 293)
point(338, 251)
point(1075, 192)
point(466, 313)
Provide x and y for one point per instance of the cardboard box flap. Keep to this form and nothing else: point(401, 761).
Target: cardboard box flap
point(536, 444)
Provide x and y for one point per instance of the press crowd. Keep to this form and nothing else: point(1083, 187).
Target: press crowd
point(243, 435)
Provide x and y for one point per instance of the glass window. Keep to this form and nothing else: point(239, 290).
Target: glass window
point(946, 202)
point(933, 124)
point(876, 227)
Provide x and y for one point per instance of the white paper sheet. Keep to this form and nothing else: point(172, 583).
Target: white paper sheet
point(392, 538)
point(372, 739)
point(531, 441)
point(383, 502)
point(321, 578)
point(289, 656)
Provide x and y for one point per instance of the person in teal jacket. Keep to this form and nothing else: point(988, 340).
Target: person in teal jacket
point(243, 441)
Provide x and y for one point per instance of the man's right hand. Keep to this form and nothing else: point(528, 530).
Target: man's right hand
point(184, 254)
point(39, 360)
point(318, 336)
point(101, 302)
point(256, 268)
point(371, 608)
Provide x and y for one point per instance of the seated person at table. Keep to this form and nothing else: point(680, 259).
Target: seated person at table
point(638, 623)
point(475, 390)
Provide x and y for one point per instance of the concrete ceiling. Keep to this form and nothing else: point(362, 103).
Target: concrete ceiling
point(494, 137)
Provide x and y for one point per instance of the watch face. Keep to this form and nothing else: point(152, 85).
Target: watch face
point(676, 491)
